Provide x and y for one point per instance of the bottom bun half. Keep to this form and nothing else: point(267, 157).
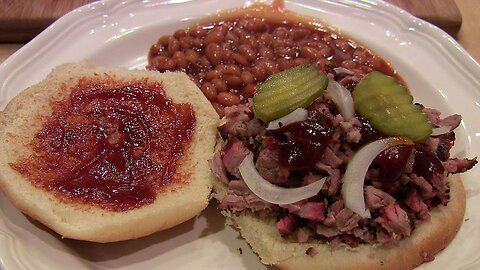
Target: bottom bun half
point(427, 239)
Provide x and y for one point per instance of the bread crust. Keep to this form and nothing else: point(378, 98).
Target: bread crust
point(427, 239)
point(22, 119)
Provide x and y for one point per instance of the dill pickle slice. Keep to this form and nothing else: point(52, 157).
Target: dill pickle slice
point(286, 91)
point(389, 107)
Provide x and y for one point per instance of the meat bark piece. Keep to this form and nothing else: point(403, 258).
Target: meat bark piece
point(456, 165)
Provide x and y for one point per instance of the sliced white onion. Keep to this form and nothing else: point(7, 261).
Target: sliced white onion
point(342, 70)
point(440, 130)
point(342, 98)
point(352, 188)
point(272, 193)
point(298, 115)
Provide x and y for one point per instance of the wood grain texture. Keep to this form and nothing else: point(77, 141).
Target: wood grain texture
point(21, 20)
point(442, 13)
point(469, 34)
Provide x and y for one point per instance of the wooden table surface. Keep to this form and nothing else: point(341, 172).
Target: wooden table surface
point(468, 36)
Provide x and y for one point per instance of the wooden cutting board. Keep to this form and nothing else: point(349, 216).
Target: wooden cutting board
point(21, 20)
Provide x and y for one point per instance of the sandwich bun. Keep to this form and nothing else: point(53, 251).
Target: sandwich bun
point(427, 239)
point(175, 202)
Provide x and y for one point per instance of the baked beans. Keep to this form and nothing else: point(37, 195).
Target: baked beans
point(227, 59)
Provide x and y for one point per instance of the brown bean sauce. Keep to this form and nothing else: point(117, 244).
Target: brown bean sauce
point(115, 146)
point(228, 56)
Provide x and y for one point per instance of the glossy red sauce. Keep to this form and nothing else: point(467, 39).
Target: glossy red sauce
point(110, 145)
point(427, 164)
point(392, 161)
point(302, 144)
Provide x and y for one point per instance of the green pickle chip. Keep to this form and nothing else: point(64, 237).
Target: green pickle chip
point(389, 107)
point(288, 90)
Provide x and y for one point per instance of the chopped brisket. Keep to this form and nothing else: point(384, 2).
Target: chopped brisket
point(456, 165)
point(416, 203)
point(352, 130)
point(332, 184)
point(395, 220)
point(312, 211)
point(376, 198)
point(452, 121)
point(329, 158)
point(286, 225)
point(240, 197)
point(433, 115)
point(346, 220)
point(328, 232)
point(233, 156)
point(444, 145)
point(240, 123)
point(425, 187)
point(216, 165)
point(401, 186)
point(303, 234)
point(267, 165)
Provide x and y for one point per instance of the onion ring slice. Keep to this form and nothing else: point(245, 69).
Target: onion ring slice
point(342, 98)
point(272, 193)
point(353, 180)
point(297, 115)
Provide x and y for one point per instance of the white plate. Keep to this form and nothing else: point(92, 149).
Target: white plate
point(119, 33)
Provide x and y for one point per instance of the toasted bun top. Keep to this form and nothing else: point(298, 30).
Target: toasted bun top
point(427, 239)
point(188, 180)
